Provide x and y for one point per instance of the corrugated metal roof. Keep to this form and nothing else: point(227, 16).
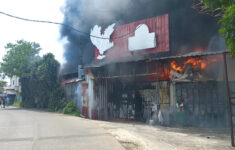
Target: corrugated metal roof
point(193, 54)
point(162, 57)
point(74, 80)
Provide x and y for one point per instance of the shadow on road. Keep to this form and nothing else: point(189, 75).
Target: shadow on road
point(13, 108)
point(10, 108)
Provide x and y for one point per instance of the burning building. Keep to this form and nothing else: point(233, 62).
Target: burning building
point(135, 79)
point(167, 69)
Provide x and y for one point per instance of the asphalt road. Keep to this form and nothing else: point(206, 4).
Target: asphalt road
point(34, 130)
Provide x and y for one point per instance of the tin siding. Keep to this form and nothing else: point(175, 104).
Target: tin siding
point(163, 33)
point(159, 25)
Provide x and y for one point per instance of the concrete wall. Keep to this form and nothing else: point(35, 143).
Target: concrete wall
point(73, 93)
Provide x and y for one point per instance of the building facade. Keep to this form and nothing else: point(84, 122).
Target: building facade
point(15, 84)
point(143, 77)
point(13, 90)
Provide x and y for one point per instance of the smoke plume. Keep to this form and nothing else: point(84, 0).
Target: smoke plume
point(188, 28)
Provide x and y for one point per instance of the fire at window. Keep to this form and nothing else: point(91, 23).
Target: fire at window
point(185, 91)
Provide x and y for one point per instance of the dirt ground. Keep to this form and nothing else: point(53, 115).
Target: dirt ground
point(137, 136)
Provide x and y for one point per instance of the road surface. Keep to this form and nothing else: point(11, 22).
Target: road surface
point(34, 130)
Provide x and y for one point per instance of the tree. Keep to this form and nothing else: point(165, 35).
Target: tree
point(41, 82)
point(38, 75)
point(228, 28)
point(18, 58)
point(42, 88)
point(46, 79)
point(2, 84)
point(226, 9)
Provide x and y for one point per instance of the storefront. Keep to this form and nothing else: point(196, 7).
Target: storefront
point(156, 92)
point(139, 78)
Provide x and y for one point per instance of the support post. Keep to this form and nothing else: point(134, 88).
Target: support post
point(229, 100)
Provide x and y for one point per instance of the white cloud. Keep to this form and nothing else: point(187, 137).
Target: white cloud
point(47, 35)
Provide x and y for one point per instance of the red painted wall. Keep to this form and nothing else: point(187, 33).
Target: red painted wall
point(159, 25)
point(85, 102)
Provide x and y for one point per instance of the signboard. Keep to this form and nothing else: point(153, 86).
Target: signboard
point(138, 38)
point(142, 39)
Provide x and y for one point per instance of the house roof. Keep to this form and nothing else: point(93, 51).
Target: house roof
point(69, 81)
point(163, 56)
point(8, 88)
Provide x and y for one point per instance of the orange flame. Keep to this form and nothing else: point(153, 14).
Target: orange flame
point(195, 62)
point(175, 67)
point(199, 63)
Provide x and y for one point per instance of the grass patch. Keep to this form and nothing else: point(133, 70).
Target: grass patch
point(71, 109)
point(60, 111)
point(16, 103)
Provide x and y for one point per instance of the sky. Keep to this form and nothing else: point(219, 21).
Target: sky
point(47, 35)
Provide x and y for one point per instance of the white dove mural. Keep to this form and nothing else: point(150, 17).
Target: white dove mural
point(102, 44)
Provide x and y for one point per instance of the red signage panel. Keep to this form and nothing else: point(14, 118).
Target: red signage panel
point(159, 25)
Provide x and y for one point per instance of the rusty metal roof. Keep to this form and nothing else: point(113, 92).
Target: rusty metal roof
point(160, 56)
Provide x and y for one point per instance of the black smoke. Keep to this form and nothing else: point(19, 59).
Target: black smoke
point(188, 28)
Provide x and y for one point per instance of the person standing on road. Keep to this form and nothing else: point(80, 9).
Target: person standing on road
point(1, 101)
point(4, 102)
point(7, 101)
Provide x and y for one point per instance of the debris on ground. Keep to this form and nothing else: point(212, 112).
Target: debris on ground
point(143, 137)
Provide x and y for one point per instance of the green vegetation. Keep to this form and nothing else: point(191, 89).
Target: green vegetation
point(16, 103)
point(227, 21)
point(38, 75)
point(228, 28)
point(57, 100)
point(2, 84)
point(71, 109)
point(19, 58)
point(37, 89)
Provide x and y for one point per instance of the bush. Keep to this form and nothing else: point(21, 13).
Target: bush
point(16, 103)
point(57, 100)
point(27, 103)
point(71, 109)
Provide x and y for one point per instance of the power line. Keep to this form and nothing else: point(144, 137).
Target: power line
point(62, 24)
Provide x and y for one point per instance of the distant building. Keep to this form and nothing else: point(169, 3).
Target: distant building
point(15, 84)
point(13, 90)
